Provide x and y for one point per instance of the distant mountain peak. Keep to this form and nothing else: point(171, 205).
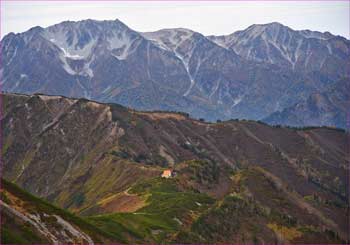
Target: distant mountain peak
point(270, 25)
point(169, 38)
point(248, 74)
point(278, 44)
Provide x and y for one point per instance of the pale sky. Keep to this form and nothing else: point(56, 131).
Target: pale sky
point(208, 18)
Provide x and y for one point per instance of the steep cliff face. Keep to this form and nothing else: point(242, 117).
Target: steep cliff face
point(85, 156)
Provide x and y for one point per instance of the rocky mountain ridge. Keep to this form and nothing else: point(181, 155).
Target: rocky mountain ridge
point(249, 74)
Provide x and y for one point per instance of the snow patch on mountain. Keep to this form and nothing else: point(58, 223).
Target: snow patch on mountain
point(180, 42)
point(106, 89)
point(315, 34)
point(298, 50)
point(71, 56)
point(289, 44)
point(66, 66)
point(70, 49)
point(121, 43)
point(169, 39)
point(330, 51)
point(190, 88)
point(215, 89)
point(12, 57)
point(237, 100)
point(177, 40)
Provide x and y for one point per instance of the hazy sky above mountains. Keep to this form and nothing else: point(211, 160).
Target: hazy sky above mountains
point(209, 18)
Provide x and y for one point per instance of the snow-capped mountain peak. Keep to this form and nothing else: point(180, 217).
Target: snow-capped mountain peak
point(77, 39)
point(169, 39)
point(278, 44)
point(248, 74)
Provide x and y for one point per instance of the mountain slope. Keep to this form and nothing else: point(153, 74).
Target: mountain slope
point(175, 69)
point(91, 59)
point(87, 156)
point(27, 219)
point(328, 108)
point(250, 89)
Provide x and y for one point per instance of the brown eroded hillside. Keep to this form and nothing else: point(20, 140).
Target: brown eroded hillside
point(92, 158)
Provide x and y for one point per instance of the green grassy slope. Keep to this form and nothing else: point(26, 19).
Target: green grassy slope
point(168, 210)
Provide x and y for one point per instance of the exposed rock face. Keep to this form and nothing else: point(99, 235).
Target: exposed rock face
point(54, 236)
point(248, 74)
point(83, 155)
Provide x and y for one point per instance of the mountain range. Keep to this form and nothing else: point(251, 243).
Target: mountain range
point(266, 72)
point(236, 181)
